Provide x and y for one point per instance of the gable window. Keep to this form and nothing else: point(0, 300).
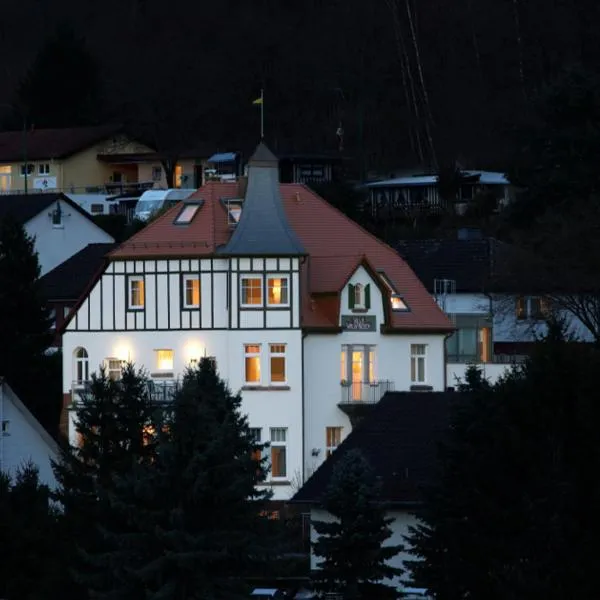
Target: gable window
point(156, 173)
point(359, 296)
point(27, 168)
point(333, 438)
point(57, 216)
point(278, 452)
point(277, 360)
point(252, 363)
point(277, 288)
point(191, 291)
point(418, 356)
point(187, 213)
point(82, 366)
point(43, 169)
point(114, 368)
point(164, 360)
point(136, 292)
point(535, 308)
point(251, 290)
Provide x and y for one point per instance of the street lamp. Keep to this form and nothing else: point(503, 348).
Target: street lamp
point(24, 144)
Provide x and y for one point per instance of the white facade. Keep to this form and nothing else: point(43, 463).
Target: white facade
point(294, 411)
point(60, 235)
point(23, 439)
point(402, 521)
point(371, 363)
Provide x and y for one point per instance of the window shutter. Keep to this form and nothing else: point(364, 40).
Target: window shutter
point(368, 296)
point(350, 296)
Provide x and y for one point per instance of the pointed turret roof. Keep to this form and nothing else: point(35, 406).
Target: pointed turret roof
point(263, 229)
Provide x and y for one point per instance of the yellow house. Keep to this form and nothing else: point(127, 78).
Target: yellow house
point(85, 160)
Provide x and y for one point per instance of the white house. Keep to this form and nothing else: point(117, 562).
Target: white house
point(60, 227)
point(310, 316)
point(23, 439)
point(399, 440)
point(496, 324)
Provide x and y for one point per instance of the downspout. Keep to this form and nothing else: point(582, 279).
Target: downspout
point(1, 424)
point(302, 447)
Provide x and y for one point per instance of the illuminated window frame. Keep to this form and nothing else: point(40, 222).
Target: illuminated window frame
point(190, 278)
point(244, 287)
point(283, 290)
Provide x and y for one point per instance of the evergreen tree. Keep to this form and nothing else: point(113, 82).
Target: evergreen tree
point(115, 425)
point(31, 565)
point(195, 512)
point(352, 547)
point(514, 512)
point(63, 62)
point(25, 323)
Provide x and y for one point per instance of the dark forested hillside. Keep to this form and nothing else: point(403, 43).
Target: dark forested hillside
point(410, 82)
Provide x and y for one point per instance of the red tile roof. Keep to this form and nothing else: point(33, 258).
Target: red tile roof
point(336, 246)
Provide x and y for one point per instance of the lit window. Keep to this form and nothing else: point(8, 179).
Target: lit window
point(277, 291)
point(418, 355)
point(191, 291)
point(278, 452)
point(252, 291)
point(333, 438)
point(178, 176)
point(187, 213)
point(533, 307)
point(398, 302)
point(136, 292)
point(252, 363)
point(43, 169)
point(277, 363)
point(344, 366)
point(114, 368)
point(82, 366)
point(164, 360)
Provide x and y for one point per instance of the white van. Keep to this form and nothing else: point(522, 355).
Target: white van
point(151, 201)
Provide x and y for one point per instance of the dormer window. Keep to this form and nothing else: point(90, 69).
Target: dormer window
point(187, 213)
point(234, 211)
point(359, 296)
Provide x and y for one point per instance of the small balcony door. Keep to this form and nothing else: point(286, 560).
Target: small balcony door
point(358, 370)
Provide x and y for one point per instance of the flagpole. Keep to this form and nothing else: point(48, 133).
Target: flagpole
point(262, 114)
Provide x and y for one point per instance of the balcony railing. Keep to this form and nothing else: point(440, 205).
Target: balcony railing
point(365, 392)
point(475, 359)
point(160, 391)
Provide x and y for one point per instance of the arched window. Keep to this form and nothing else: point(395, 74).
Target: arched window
point(359, 297)
point(82, 365)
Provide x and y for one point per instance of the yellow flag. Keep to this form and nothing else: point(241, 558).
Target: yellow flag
point(258, 101)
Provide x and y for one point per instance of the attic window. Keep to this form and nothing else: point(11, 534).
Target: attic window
point(234, 211)
point(187, 213)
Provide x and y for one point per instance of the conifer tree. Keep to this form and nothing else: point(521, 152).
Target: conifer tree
point(514, 512)
point(352, 546)
point(115, 421)
point(196, 510)
point(24, 322)
point(31, 544)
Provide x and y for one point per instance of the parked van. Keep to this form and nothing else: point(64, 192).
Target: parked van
point(151, 201)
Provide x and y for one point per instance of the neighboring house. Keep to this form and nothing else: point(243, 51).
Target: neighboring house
point(306, 313)
point(496, 324)
point(23, 439)
point(402, 194)
point(85, 160)
point(64, 285)
point(60, 227)
point(399, 439)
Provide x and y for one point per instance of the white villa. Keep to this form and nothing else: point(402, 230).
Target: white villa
point(310, 316)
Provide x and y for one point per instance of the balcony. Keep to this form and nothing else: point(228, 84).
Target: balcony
point(358, 397)
point(160, 392)
point(457, 366)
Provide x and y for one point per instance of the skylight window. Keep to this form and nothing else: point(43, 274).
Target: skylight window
point(396, 300)
point(187, 213)
point(234, 210)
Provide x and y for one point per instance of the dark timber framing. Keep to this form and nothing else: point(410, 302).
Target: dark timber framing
point(148, 268)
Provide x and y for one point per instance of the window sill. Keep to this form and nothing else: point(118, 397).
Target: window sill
point(192, 307)
point(277, 482)
point(58, 226)
point(360, 310)
point(135, 308)
point(266, 388)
